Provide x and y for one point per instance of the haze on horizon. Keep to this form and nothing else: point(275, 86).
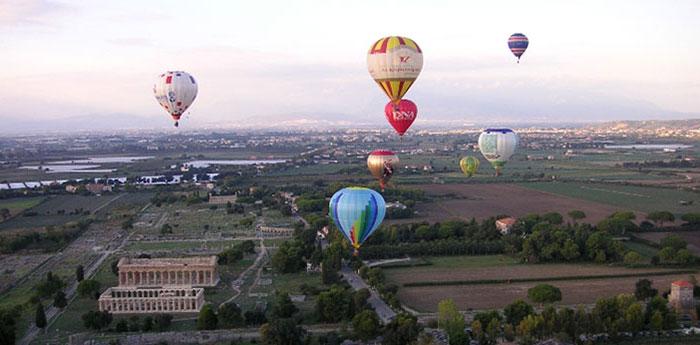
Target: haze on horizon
point(258, 62)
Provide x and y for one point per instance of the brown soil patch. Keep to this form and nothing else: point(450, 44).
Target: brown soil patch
point(487, 200)
point(426, 299)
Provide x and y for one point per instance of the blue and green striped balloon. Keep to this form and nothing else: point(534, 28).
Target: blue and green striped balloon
point(357, 212)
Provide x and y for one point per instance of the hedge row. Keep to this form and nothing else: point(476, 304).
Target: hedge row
point(544, 279)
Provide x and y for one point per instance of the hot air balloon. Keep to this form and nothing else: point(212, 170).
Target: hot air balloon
point(357, 212)
point(469, 165)
point(394, 62)
point(401, 115)
point(175, 91)
point(381, 164)
point(497, 145)
point(517, 43)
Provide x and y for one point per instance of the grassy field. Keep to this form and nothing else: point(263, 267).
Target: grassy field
point(692, 237)
point(17, 205)
point(485, 296)
point(643, 199)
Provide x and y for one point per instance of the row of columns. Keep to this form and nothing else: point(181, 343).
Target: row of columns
point(159, 277)
point(149, 305)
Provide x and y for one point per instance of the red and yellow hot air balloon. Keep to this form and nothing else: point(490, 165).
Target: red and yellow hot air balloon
point(381, 164)
point(395, 62)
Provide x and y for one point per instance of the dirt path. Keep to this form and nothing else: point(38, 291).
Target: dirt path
point(240, 280)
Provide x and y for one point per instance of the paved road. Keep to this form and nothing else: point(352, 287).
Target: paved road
point(385, 313)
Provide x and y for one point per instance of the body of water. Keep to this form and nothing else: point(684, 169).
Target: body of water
point(649, 147)
point(68, 168)
point(207, 163)
point(103, 160)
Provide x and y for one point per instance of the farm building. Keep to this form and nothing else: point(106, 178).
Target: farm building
point(682, 300)
point(505, 224)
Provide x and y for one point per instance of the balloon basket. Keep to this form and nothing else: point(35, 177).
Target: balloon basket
point(356, 253)
point(177, 124)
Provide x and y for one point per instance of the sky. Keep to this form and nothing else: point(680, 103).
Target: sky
point(263, 62)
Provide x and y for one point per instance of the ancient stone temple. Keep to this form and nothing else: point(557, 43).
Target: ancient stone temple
point(121, 300)
point(160, 285)
point(195, 271)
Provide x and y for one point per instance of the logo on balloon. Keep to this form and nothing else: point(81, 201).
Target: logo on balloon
point(403, 115)
point(404, 59)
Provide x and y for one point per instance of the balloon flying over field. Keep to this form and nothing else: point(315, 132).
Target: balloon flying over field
point(395, 62)
point(517, 43)
point(469, 165)
point(498, 145)
point(381, 164)
point(357, 212)
point(401, 115)
point(175, 91)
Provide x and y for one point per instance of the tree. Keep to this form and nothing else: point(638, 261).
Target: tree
point(283, 307)
point(657, 321)
point(115, 267)
point(478, 332)
point(577, 215)
point(147, 324)
point(162, 322)
point(661, 217)
point(366, 324)
point(632, 258)
point(544, 293)
point(89, 288)
point(333, 305)
point(4, 213)
point(40, 316)
point(359, 299)
point(553, 218)
point(530, 328)
point(674, 242)
point(691, 219)
point(8, 321)
point(517, 311)
point(254, 317)
point(121, 326)
point(403, 329)
point(59, 300)
point(207, 319)
point(627, 215)
point(79, 273)
point(289, 257)
point(452, 321)
point(281, 332)
point(643, 290)
point(230, 315)
point(634, 317)
point(96, 320)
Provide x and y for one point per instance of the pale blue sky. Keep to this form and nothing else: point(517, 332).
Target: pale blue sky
point(588, 60)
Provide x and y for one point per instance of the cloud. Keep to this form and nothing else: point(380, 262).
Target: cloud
point(28, 12)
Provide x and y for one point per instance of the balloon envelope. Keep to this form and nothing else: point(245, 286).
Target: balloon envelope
point(498, 145)
point(401, 115)
point(395, 62)
point(381, 165)
point(175, 91)
point(469, 165)
point(517, 43)
point(357, 212)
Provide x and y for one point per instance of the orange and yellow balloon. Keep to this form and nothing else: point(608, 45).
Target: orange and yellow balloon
point(381, 163)
point(395, 62)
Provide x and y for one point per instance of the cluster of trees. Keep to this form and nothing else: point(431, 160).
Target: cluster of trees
point(158, 323)
point(49, 286)
point(565, 243)
point(51, 240)
point(236, 252)
point(432, 248)
point(234, 208)
point(89, 288)
point(610, 316)
point(228, 315)
point(674, 251)
point(677, 163)
point(450, 230)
